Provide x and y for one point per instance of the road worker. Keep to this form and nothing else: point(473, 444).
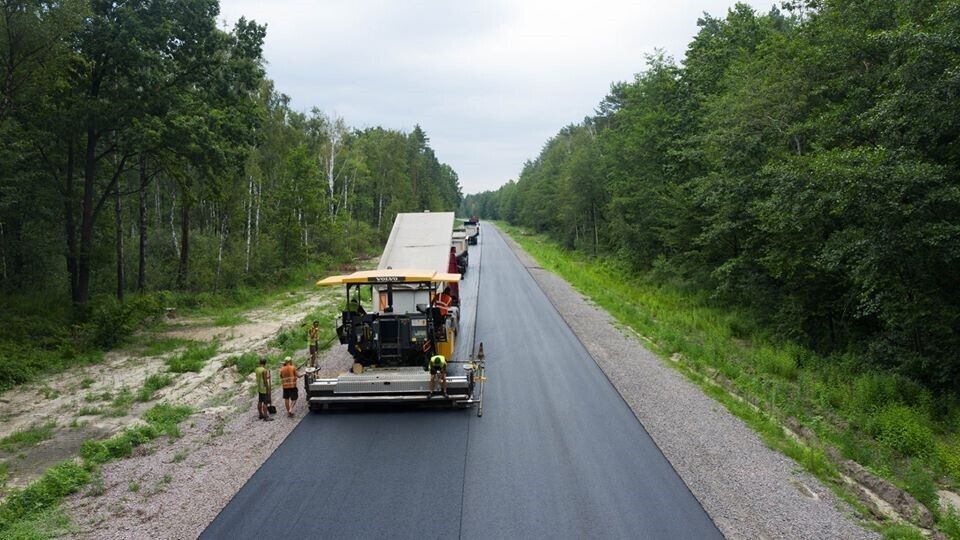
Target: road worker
point(438, 370)
point(444, 300)
point(288, 377)
point(313, 340)
point(263, 389)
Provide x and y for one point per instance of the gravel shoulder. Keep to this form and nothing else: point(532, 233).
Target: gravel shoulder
point(173, 488)
point(749, 490)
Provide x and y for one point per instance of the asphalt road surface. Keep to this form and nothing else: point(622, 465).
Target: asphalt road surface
point(557, 453)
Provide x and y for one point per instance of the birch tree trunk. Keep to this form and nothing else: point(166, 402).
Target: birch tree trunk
point(246, 267)
point(222, 229)
point(380, 211)
point(259, 188)
point(331, 161)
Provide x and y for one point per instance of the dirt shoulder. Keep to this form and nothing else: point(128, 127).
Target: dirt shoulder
point(173, 488)
point(97, 401)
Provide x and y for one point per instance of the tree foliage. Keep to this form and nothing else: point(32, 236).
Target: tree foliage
point(137, 135)
point(804, 163)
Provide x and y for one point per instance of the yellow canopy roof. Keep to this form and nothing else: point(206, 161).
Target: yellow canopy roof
point(403, 275)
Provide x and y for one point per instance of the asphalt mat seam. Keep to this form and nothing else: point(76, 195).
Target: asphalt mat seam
point(473, 346)
point(577, 337)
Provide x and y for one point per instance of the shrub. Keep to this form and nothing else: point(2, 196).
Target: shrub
point(949, 454)
point(919, 482)
point(193, 358)
point(950, 524)
point(245, 363)
point(903, 429)
point(165, 417)
point(153, 383)
point(121, 403)
point(110, 321)
point(118, 446)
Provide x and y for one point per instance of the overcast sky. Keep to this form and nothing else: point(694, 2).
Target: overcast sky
point(488, 80)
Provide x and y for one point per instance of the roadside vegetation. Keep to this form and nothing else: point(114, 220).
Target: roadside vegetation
point(896, 427)
point(33, 512)
point(27, 437)
point(778, 212)
point(208, 197)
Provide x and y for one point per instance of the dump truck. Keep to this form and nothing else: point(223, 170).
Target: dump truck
point(459, 249)
point(472, 227)
point(395, 318)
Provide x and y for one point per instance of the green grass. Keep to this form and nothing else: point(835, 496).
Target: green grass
point(49, 523)
point(160, 346)
point(121, 403)
point(24, 509)
point(26, 438)
point(882, 420)
point(950, 524)
point(901, 531)
point(193, 358)
point(94, 397)
point(247, 362)
point(89, 410)
point(4, 474)
point(229, 319)
point(87, 382)
point(153, 383)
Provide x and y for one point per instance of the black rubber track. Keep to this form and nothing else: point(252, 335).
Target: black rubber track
point(557, 453)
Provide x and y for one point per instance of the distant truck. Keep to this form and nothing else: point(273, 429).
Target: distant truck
point(472, 227)
point(395, 319)
point(459, 245)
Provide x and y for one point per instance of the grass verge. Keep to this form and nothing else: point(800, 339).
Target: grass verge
point(882, 420)
point(152, 384)
point(163, 345)
point(193, 358)
point(33, 512)
point(25, 438)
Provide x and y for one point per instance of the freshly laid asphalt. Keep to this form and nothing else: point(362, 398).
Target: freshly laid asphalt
point(557, 453)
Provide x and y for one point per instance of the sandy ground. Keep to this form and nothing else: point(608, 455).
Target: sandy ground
point(74, 400)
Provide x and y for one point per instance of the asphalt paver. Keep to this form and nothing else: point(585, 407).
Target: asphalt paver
point(557, 452)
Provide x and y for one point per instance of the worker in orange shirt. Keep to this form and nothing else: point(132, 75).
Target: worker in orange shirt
point(288, 377)
point(444, 300)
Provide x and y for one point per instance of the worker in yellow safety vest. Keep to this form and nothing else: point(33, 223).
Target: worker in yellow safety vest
point(438, 370)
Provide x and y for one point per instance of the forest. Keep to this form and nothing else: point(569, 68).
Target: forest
point(147, 159)
point(802, 163)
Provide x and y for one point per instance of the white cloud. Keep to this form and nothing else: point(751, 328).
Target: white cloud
point(489, 81)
